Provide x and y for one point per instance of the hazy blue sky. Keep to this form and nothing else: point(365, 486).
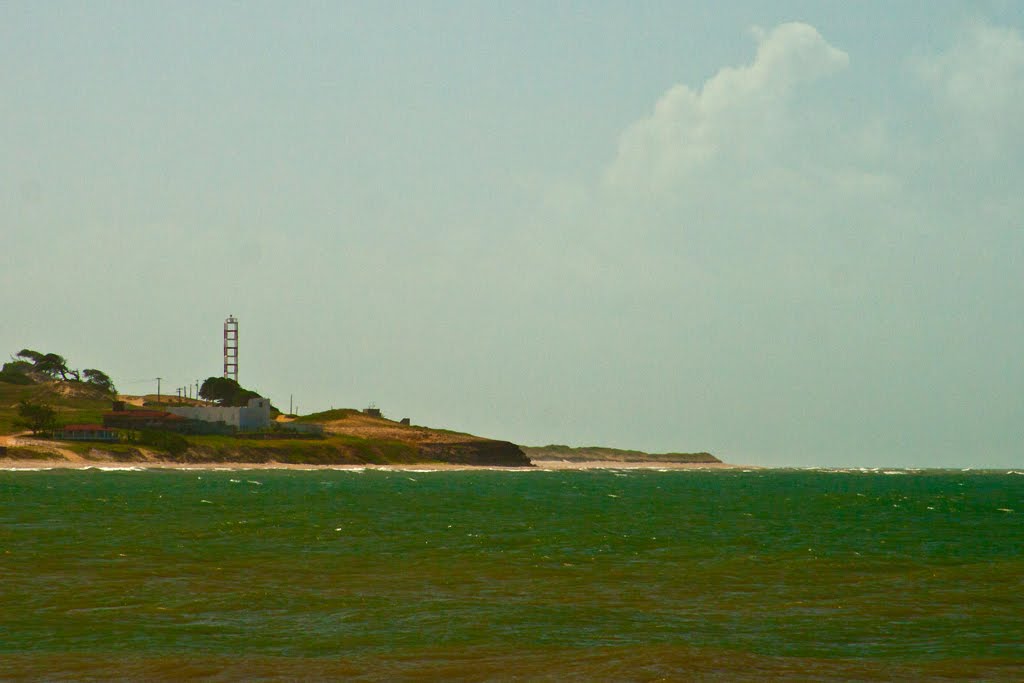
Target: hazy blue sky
point(784, 232)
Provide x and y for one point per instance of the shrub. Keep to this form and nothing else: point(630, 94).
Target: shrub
point(15, 377)
point(172, 443)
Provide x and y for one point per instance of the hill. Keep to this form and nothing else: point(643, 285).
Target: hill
point(434, 445)
point(75, 402)
point(599, 454)
point(350, 437)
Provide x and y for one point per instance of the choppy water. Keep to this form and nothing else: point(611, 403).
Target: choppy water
point(631, 575)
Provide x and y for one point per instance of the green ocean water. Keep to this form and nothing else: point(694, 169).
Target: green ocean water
point(532, 575)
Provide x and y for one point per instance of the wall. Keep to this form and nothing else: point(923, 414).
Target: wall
point(254, 416)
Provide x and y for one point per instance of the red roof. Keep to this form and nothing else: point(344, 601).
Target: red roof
point(85, 428)
point(144, 414)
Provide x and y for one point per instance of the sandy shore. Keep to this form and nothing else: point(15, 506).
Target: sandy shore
point(425, 466)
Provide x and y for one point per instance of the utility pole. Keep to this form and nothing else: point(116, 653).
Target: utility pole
point(158, 389)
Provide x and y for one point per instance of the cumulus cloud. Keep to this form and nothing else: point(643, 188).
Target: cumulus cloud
point(735, 112)
point(982, 73)
point(980, 80)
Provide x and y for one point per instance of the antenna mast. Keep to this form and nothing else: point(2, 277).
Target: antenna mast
point(231, 348)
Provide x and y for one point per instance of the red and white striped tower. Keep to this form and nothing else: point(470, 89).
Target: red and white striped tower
point(231, 348)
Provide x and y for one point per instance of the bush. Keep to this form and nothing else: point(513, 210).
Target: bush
point(39, 417)
point(169, 442)
point(15, 377)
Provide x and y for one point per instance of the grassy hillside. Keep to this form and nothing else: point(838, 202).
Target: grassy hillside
point(350, 437)
point(75, 403)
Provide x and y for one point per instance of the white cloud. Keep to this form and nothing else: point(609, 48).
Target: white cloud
point(980, 79)
point(737, 112)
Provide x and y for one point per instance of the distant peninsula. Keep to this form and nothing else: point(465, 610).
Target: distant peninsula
point(599, 456)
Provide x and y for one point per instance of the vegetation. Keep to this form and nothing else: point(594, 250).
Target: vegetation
point(169, 442)
point(99, 379)
point(21, 453)
point(85, 404)
point(602, 454)
point(32, 367)
point(328, 415)
point(37, 417)
point(51, 365)
point(16, 372)
point(226, 392)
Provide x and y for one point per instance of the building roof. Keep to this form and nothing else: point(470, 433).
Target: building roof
point(143, 414)
point(85, 428)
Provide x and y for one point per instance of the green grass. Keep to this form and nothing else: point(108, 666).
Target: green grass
point(70, 410)
point(96, 450)
point(22, 453)
point(328, 415)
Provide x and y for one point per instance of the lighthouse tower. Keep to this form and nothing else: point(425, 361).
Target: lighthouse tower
point(231, 348)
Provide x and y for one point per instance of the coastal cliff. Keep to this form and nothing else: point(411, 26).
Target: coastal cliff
point(426, 444)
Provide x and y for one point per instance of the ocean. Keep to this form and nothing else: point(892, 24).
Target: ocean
point(512, 575)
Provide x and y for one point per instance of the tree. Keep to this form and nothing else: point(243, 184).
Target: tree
point(99, 379)
point(16, 372)
point(50, 364)
point(219, 389)
point(38, 417)
point(226, 392)
point(53, 365)
point(30, 355)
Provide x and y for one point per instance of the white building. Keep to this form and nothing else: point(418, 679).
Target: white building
point(249, 418)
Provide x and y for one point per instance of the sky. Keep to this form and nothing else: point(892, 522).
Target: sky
point(788, 233)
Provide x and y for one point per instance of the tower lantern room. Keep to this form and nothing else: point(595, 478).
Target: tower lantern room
point(231, 348)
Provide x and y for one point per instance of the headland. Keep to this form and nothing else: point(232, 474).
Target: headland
point(52, 418)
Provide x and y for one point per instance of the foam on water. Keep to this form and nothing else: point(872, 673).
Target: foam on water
point(116, 468)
